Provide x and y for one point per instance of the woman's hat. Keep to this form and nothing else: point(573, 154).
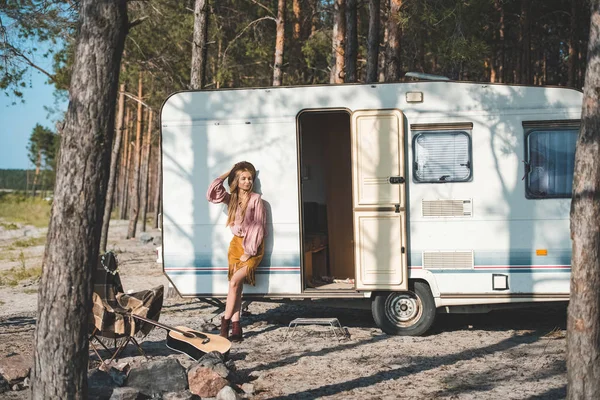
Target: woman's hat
point(242, 165)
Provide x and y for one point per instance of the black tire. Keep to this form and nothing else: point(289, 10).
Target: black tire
point(409, 313)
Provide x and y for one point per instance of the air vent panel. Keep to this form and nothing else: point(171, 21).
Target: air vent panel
point(448, 259)
point(447, 208)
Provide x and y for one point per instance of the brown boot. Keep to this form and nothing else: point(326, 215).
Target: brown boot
point(225, 327)
point(236, 332)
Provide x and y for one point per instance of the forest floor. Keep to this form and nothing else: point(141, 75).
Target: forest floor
point(500, 355)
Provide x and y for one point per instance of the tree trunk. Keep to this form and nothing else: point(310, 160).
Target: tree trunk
point(522, 68)
point(198, 74)
point(279, 42)
point(393, 48)
point(297, 28)
point(500, 66)
point(314, 20)
point(113, 171)
point(126, 165)
point(373, 41)
point(572, 45)
point(65, 293)
point(338, 36)
point(145, 171)
point(382, 54)
point(134, 192)
point(351, 50)
point(38, 163)
point(583, 319)
point(158, 182)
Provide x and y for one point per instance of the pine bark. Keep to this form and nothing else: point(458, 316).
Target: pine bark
point(393, 70)
point(114, 158)
point(297, 26)
point(65, 293)
point(145, 172)
point(501, 44)
point(199, 47)
point(126, 166)
point(571, 63)
point(373, 41)
point(351, 50)
point(583, 319)
point(279, 43)
point(134, 191)
point(338, 37)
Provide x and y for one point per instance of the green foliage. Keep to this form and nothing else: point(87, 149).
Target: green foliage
point(25, 24)
point(9, 226)
point(13, 276)
point(29, 242)
point(43, 147)
point(19, 208)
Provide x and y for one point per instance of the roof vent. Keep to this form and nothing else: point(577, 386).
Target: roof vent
point(426, 77)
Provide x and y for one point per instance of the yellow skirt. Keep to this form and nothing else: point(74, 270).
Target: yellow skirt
point(236, 250)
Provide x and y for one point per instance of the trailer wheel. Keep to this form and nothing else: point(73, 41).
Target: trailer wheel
point(409, 313)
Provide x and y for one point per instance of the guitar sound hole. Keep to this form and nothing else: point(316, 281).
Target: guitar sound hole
point(194, 334)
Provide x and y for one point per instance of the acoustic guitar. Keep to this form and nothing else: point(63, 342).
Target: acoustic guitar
point(192, 343)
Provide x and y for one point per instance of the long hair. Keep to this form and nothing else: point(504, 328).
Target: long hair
point(234, 200)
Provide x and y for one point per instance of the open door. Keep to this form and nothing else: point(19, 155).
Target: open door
point(379, 200)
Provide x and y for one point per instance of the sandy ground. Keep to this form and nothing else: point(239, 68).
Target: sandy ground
point(501, 355)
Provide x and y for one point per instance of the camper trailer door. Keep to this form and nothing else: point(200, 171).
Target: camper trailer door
point(379, 200)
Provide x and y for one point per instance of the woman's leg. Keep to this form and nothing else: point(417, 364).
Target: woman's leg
point(234, 295)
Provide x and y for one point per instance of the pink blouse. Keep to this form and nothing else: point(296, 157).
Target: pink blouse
point(253, 227)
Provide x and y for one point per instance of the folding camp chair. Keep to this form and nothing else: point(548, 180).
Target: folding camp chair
point(113, 310)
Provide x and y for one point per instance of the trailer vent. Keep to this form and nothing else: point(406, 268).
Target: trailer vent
point(448, 259)
point(447, 208)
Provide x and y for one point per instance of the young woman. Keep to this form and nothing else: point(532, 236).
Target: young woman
point(247, 221)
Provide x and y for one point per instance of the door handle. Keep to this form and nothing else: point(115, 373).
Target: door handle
point(397, 180)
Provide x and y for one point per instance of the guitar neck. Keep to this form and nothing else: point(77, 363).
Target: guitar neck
point(156, 323)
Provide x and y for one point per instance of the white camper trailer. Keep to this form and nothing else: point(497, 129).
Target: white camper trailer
point(413, 196)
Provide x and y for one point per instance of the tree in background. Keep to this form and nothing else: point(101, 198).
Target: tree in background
point(373, 41)
point(393, 65)
point(42, 149)
point(338, 37)
point(583, 319)
point(351, 43)
point(198, 72)
point(279, 43)
point(64, 301)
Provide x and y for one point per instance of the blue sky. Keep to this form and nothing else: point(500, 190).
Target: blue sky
point(17, 121)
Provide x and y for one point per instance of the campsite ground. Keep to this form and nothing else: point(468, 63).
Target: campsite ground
point(501, 355)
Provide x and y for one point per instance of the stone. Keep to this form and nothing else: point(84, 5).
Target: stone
point(26, 382)
point(184, 395)
point(212, 358)
point(230, 364)
point(253, 375)
point(14, 368)
point(260, 383)
point(4, 386)
point(248, 388)
point(215, 361)
point(227, 393)
point(119, 377)
point(157, 377)
point(126, 393)
point(205, 382)
point(145, 237)
point(100, 384)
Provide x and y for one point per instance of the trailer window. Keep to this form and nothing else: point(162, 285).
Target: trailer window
point(550, 163)
point(443, 156)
